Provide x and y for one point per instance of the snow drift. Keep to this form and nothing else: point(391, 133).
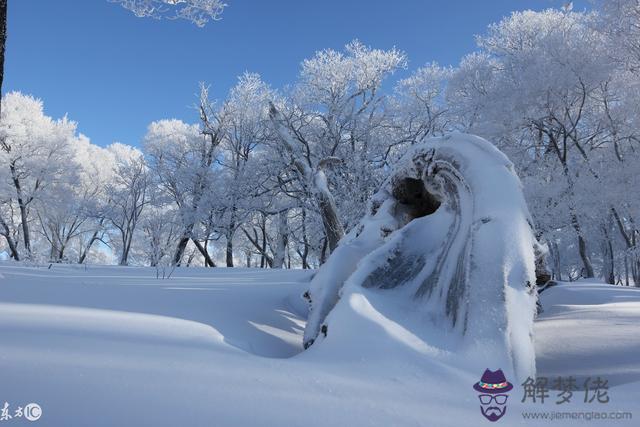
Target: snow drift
point(447, 240)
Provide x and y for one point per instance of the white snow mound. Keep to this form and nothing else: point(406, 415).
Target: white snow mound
point(445, 256)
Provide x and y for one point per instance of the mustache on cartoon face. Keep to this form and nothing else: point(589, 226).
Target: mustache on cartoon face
point(493, 410)
point(493, 413)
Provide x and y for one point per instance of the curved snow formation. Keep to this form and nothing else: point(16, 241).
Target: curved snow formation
point(450, 232)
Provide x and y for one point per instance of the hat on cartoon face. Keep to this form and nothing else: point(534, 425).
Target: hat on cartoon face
point(493, 383)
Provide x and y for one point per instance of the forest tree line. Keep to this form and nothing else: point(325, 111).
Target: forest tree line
point(274, 178)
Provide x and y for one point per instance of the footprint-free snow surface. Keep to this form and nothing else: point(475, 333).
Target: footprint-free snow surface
point(110, 346)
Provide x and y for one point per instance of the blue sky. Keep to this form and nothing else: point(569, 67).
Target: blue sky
point(114, 73)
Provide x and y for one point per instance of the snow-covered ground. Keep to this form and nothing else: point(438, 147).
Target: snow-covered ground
point(590, 329)
point(109, 346)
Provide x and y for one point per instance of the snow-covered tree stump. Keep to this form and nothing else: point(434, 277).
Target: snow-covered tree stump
point(450, 232)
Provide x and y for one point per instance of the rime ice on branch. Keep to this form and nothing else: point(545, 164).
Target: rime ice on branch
point(200, 12)
point(450, 230)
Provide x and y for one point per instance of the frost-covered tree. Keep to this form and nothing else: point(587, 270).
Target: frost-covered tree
point(420, 109)
point(280, 185)
point(128, 195)
point(200, 12)
point(8, 227)
point(161, 229)
point(95, 172)
point(61, 216)
point(620, 20)
point(245, 131)
point(182, 157)
point(331, 119)
point(70, 213)
point(531, 89)
point(34, 153)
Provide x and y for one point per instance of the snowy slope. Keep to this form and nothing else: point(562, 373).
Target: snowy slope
point(113, 346)
point(590, 329)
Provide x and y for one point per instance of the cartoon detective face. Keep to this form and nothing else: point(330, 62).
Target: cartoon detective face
point(493, 406)
point(492, 391)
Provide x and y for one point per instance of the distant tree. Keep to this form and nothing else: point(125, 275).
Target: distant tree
point(246, 110)
point(420, 108)
point(533, 91)
point(61, 214)
point(620, 20)
point(161, 228)
point(34, 153)
point(182, 158)
point(200, 12)
point(128, 195)
point(96, 169)
point(329, 128)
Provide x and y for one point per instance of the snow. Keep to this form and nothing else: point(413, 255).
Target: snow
point(595, 326)
point(468, 267)
point(125, 304)
point(106, 346)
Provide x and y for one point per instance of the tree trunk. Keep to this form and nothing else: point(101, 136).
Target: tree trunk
point(25, 228)
point(626, 270)
point(13, 248)
point(608, 274)
point(542, 272)
point(85, 252)
point(263, 229)
point(283, 238)
point(23, 210)
point(323, 252)
point(305, 241)
point(229, 251)
point(53, 253)
point(560, 144)
point(203, 250)
point(206, 254)
point(254, 241)
point(3, 39)
point(629, 237)
point(182, 245)
point(329, 212)
point(557, 266)
point(192, 255)
point(124, 259)
point(58, 246)
point(582, 247)
point(635, 269)
point(229, 236)
point(63, 247)
point(588, 268)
